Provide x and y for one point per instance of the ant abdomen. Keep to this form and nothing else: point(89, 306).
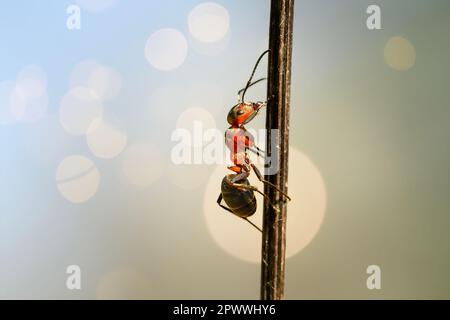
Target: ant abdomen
point(241, 201)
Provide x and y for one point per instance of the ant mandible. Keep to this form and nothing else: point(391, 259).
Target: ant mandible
point(236, 190)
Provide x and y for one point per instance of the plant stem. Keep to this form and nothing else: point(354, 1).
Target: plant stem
point(279, 87)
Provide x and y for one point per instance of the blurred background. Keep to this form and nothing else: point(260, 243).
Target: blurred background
point(86, 175)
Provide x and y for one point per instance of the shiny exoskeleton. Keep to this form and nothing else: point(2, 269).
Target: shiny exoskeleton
point(241, 202)
point(236, 190)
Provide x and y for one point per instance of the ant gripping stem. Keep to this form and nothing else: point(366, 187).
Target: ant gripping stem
point(249, 82)
point(236, 191)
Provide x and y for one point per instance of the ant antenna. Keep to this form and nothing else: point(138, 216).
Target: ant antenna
point(253, 73)
point(250, 85)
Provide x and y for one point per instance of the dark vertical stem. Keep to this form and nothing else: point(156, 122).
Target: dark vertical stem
point(279, 87)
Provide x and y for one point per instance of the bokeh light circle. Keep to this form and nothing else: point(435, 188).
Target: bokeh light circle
point(306, 211)
point(104, 81)
point(79, 108)
point(209, 22)
point(193, 117)
point(142, 164)
point(105, 140)
point(399, 54)
point(34, 107)
point(32, 84)
point(77, 179)
point(32, 79)
point(166, 49)
point(12, 102)
point(82, 71)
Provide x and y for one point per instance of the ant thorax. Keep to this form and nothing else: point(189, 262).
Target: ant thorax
point(238, 139)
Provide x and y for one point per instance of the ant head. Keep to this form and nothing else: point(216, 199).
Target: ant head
point(243, 113)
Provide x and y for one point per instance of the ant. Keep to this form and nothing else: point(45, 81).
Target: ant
point(236, 190)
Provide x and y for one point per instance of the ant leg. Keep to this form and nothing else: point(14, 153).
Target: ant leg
point(253, 224)
point(261, 151)
point(257, 151)
point(219, 202)
point(260, 178)
point(239, 177)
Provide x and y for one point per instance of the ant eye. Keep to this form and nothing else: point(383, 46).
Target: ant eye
point(240, 112)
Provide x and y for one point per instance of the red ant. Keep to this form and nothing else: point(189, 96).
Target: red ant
point(236, 190)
